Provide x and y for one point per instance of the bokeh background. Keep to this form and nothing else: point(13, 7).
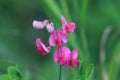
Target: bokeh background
point(97, 36)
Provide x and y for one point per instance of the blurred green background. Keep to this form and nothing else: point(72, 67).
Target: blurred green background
point(97, 36)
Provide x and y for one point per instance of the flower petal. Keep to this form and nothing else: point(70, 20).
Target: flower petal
point(61, 55)
point(38, 42)
point(50, 27)
point(70, 27)
point(57, 38)
point(41, 48)
point(66, 51)
point(39, 24)
point(74, 63)
point(74, 54)
point(63, 21)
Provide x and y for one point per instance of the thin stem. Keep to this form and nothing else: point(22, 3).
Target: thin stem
point(102, 52)
point(60, 72)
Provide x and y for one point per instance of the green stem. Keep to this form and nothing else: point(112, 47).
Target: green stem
point(104, 38)
point(60, 72)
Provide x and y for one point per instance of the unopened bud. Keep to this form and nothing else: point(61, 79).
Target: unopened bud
point(50, 27)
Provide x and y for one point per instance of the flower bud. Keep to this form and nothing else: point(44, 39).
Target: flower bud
point(39, 24)
point(50, 27)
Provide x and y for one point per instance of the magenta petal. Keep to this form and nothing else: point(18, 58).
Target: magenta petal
point(63, 21)
point(57, 38)
point(41, 48)
point(67, 52)
point(70, 27)
point(74, 63)
point(61, 55)
point(74, 54)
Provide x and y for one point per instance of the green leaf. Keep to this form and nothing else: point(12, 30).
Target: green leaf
point(75, 73)
point(15, 73)
point(23, 73)
point(85, 44)
point(12, 71)
point(5, 77)
point(114, 64)
point(87, 75)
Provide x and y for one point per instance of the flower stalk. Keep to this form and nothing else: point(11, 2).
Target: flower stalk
point(60, 72)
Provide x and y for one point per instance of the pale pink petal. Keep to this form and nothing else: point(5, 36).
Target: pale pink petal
point(45, 22)
point(44, 47)
point(70, 27)
point(74, 54)
point(50, 27)
point(38, 24)
point(57, 38)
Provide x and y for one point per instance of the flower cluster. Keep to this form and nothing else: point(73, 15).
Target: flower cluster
point(62, 55)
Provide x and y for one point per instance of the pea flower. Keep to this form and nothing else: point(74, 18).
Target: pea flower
point(57, 38)
point(72, 60)
point(67, 27)
point(41, 48)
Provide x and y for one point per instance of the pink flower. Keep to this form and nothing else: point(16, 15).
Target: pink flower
point(41, 48)
point(39, 24)
point(70, 27)
point(61, 55)
point(50, 27)
point(72, 60)
point(57, 38)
